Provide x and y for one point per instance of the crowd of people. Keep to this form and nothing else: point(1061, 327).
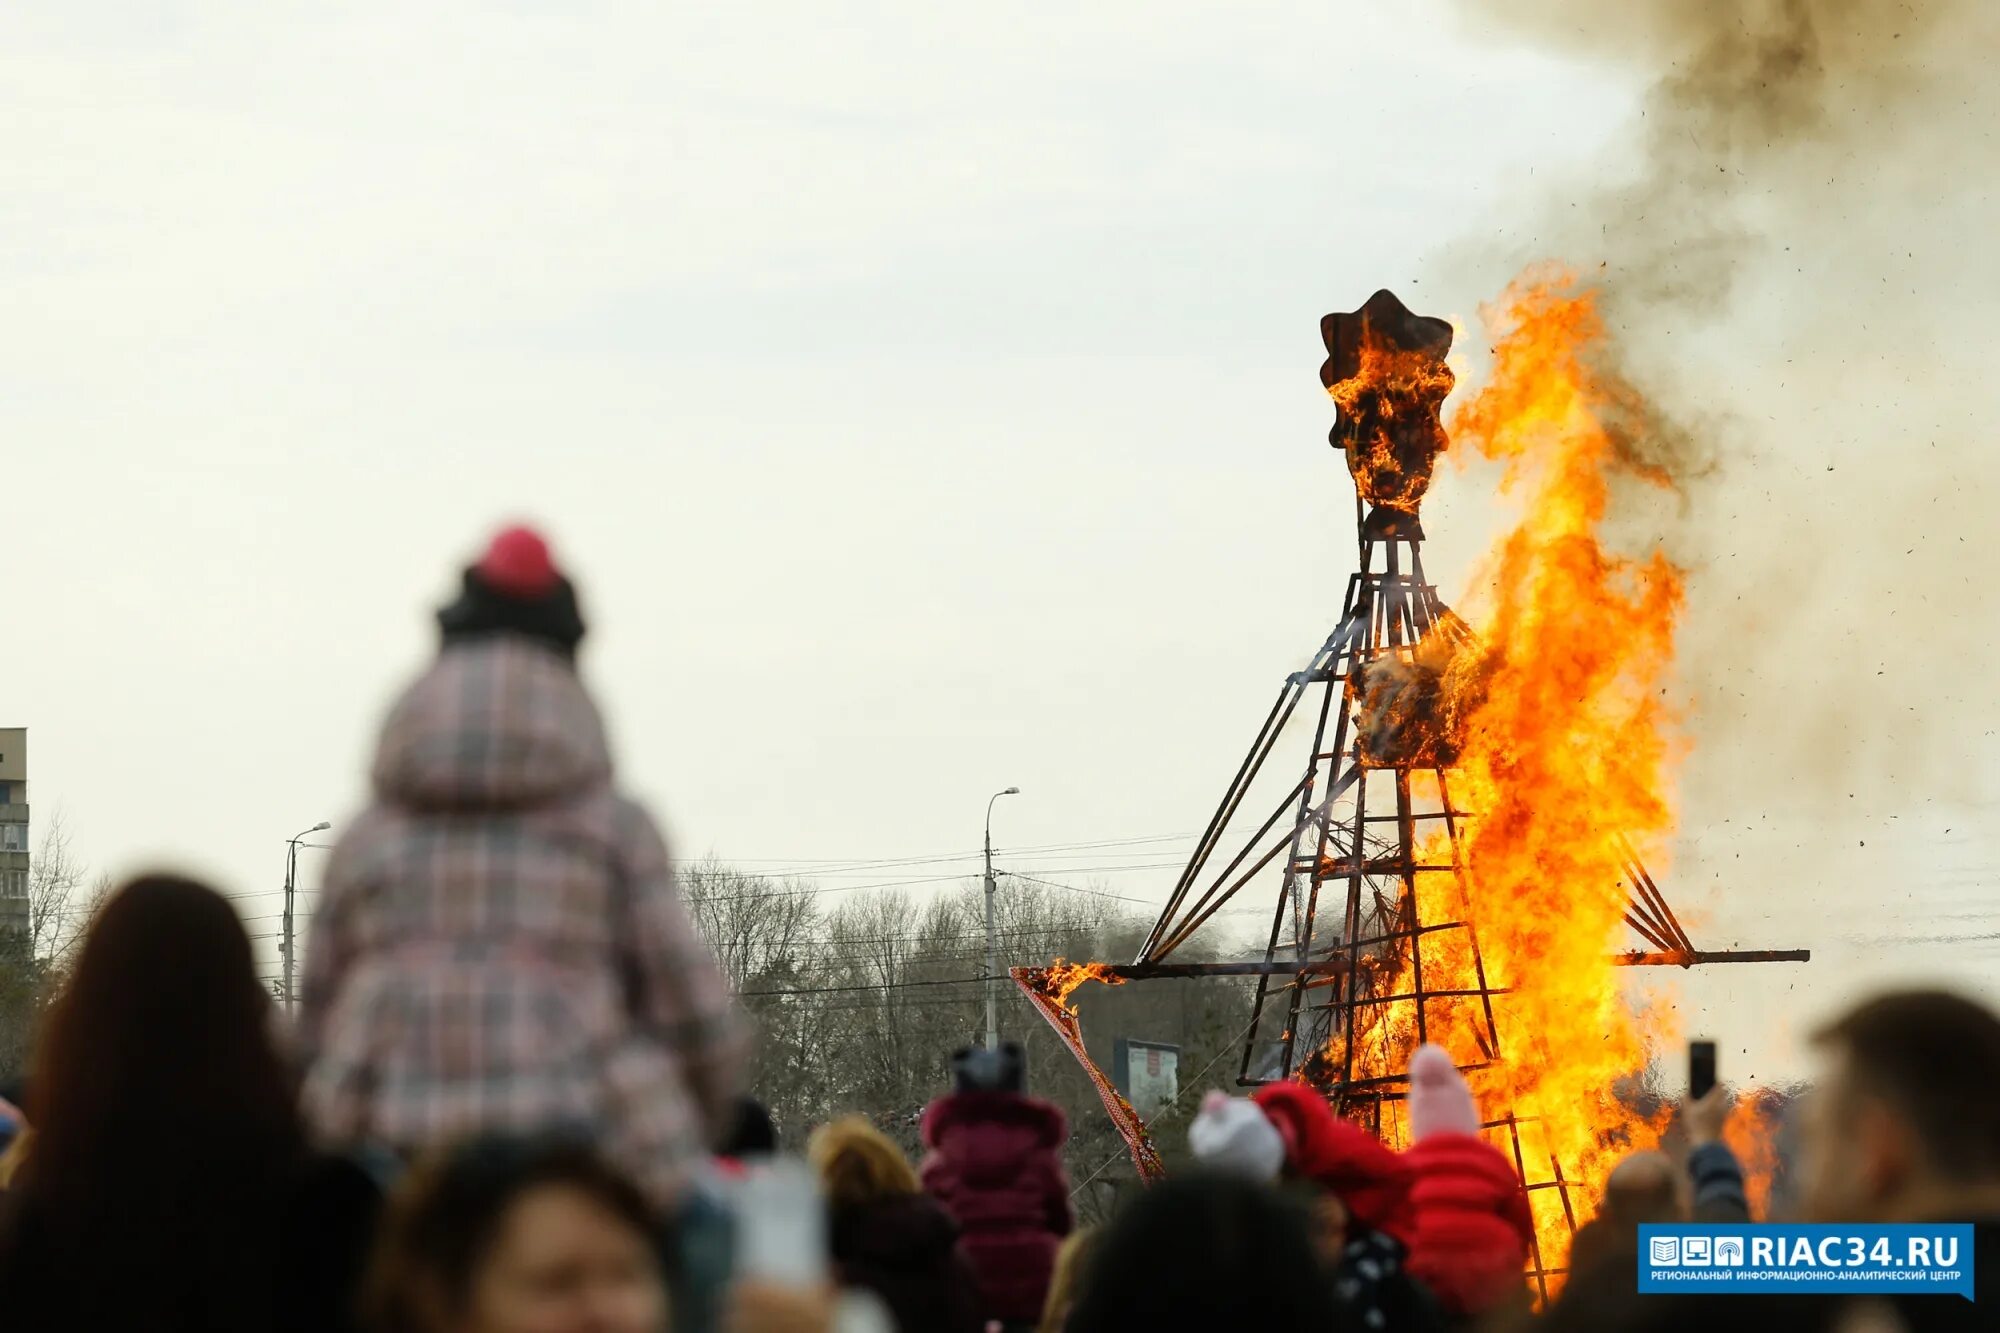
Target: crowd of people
point(511, 1102)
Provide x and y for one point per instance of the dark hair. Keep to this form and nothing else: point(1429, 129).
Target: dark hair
point(480, 612)
point(158, 1057)
point(751, 1133)
point(1206, 1251)
point(1935, 1058)
point(163, 1115)
point(977, 1069)
point(446, 1215)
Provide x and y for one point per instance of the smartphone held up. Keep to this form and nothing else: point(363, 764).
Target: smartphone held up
point(1701, 1069)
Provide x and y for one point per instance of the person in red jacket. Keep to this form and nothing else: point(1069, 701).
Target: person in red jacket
point(1359, 1192)
point(1470, 1221)
point(994, 1161)
point(1372, 1182)
point(1449, 1209)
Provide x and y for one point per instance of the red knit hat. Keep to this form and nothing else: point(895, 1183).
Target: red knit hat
point(1342, 1158)
point(515, 588)
point(518, 564)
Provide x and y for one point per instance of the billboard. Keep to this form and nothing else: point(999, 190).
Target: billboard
point(1147, 1072)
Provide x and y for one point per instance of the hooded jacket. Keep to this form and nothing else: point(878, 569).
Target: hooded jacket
point(905, 1249)
point(499, 944)
point(1372, 1181)
point(1472, 1224)
point(994, 1163)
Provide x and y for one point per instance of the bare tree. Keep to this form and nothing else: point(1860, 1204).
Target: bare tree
point(752, 923)
point(902, 973)
point(859, 1000)
point(60, 907)
point(62, 898)
point(763, 932)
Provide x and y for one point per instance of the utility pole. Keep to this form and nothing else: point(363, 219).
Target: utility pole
point(286, 939)
point(992, 933)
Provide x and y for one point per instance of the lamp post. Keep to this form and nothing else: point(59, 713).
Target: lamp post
point(992, 936)
point(286, 940)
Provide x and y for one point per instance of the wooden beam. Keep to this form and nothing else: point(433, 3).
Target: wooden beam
point(1688, 958)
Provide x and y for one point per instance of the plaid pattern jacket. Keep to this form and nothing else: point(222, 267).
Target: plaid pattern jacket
point(499, 944)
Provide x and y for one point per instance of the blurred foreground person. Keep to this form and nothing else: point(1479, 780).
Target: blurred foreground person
point(1072, 1262)
point(168, 1185)
point(1471, 1225)
point(1427, 1238)
point(1714, 1176)
point(1903, 1125)
point(1643, 1188)
point(995, 1164)
point(1355, 1189)
point(13, 1120)
point(889, 1237)
point(517, 1236)
point(1647, 1187)
point(14, 1155)
point(702, 1224)
point(15, 1135)
point(751, 1135)
point(1205, 1251)
point(499, 944)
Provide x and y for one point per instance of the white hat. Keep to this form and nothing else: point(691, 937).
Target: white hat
point(1233, 1134)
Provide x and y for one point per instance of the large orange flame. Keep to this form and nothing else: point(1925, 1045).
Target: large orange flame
point(1565, 743)
point(1752, 1133)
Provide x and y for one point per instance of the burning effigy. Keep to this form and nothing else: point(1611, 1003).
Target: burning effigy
point(1386, 373)
point(1460, 860)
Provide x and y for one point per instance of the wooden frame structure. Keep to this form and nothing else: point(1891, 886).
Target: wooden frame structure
point(1344, 843)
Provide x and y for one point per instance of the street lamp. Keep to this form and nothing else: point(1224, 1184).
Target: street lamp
point(992, 936)
point(286, 939)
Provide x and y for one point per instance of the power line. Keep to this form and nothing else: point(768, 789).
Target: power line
point(849, 990)
point(1071, 888)
point(1100, 893)
point(805, 867)
point(811, 890)
point(821, 864)
point(974, 935)
point(802, 890)
point(797, 890)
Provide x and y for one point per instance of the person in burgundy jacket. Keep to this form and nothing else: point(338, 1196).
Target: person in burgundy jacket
point(994, 1161)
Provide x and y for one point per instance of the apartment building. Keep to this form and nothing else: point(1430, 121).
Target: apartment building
point(14, 842)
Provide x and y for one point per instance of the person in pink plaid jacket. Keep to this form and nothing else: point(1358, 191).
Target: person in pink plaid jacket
point(499, 944)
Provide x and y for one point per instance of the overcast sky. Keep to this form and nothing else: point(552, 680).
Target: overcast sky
point(924, 398)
